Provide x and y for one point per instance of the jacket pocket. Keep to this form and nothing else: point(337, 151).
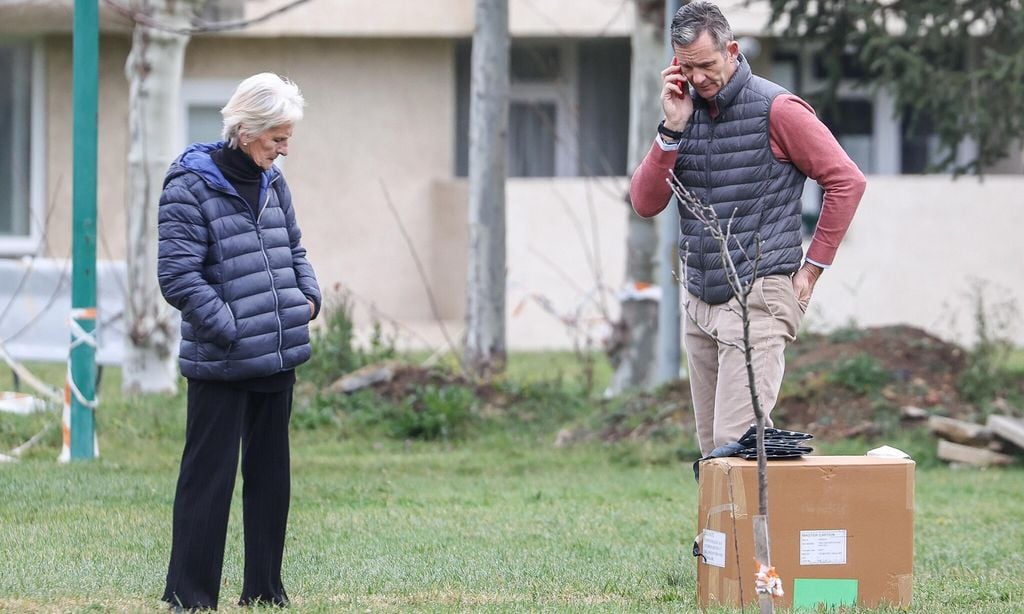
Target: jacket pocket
point(229, 333)
point(213, 352)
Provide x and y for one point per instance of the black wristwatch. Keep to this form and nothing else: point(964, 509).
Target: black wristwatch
point(675, 135)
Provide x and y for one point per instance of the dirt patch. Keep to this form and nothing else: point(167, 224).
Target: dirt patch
point(857, 381)
point(848, 383)
point(659, 414)
point(408, 379)
point(841, 385)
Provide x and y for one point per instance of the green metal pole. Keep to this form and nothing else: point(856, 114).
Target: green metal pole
point(85, 96)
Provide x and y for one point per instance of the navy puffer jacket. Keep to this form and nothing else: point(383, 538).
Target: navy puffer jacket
point(241, 281)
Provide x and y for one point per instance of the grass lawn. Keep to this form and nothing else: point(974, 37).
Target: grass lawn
point(499, 521)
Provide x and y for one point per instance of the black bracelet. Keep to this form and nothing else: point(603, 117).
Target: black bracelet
point(675, 135)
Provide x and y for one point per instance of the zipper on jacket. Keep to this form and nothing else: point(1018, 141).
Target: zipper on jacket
point(266, 260)
point(707, 182)
point(266, 201)
point(231, 312)
point(273, 290)
point(270, 272)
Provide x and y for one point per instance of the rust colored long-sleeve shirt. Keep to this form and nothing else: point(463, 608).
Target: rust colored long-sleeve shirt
point(797, 137)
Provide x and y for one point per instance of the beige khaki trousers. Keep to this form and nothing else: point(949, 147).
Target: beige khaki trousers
point(719, 383)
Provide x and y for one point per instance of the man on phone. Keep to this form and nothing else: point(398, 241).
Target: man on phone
point(744, 145)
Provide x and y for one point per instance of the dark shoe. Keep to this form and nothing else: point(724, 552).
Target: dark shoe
point(260, 602)
point(177, 608)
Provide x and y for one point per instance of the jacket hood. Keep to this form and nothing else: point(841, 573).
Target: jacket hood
point(196, 159)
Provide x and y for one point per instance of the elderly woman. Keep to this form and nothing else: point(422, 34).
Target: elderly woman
point(231, 261)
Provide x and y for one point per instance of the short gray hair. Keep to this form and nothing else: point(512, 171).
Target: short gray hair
point(261, 102)
point(697, 17)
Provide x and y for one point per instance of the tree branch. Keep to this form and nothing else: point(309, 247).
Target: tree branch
point(422, 273)
point(140, 18)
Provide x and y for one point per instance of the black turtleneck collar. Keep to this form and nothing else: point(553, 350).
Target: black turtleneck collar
point(241, 172)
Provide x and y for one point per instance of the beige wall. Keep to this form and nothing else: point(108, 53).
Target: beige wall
point(383, 110)
point(449, 18)
point(393, 18)
point(915, 249)
point(41, 16)
point(565, 257)
point(363, 18)
point(455, 18)
point(112, 134)
point(913, 255)
point(376, 112)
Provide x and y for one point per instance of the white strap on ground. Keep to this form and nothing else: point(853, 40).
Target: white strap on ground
point(49, 392)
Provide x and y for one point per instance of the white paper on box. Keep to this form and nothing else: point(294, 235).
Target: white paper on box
point(823, 547)
point(713, 548)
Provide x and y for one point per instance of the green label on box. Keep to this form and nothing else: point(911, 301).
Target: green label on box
point(812, 592)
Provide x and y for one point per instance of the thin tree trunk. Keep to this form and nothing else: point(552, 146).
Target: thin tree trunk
point(762, 540)
point(633, 350)
point(488, 135)
point(154, 71)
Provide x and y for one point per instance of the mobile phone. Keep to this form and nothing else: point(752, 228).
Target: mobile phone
point(685, 85)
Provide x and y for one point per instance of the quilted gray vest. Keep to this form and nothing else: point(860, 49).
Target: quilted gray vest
point(728, 162)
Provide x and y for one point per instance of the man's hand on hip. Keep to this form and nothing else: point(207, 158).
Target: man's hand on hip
point(803, 283)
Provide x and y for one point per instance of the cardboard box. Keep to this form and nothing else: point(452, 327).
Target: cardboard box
point(841, 530)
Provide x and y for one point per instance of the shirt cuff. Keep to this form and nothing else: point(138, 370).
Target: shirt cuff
point(666, 146)
point(818, 264)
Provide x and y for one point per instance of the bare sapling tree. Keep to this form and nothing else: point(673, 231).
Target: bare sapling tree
point(741, 287)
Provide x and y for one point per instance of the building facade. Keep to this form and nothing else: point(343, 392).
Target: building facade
point(387, 88)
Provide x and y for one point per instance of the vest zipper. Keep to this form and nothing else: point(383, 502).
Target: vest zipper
point(710, 203)
point(707, 154)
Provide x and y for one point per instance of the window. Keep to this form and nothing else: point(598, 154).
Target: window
point(851, 120)
point(919, 150)
point(568, 108)
point(850, 66)
point(204, 123)
point(542, 102)
point(785, 71)
point(222, 10)
point(532, 138)
point(201, 102)
point(21, 157)
point(604, 73)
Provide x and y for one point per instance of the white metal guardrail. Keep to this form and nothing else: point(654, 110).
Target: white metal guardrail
point(35, 304)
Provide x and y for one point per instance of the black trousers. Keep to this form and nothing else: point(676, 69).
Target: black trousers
point(219, 416)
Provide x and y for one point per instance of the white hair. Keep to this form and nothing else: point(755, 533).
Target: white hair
point(261, 102)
